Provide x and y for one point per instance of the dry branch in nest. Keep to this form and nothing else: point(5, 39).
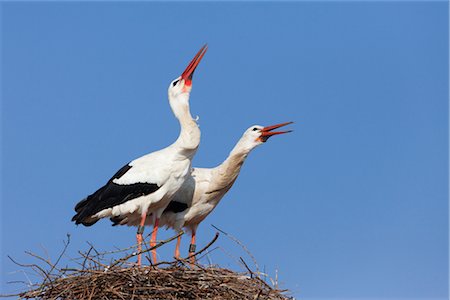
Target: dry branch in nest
point(97, 279)
point(173, 282)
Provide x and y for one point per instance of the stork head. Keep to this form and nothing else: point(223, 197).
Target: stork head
point(256, 134)
point(183, 84)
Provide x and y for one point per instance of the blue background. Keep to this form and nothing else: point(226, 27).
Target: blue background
point(353, 203)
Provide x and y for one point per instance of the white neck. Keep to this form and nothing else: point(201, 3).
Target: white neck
point(189, 138)
point(226, 173)
point(236, 158)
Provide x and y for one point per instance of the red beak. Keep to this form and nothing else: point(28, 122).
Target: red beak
point(189, 72)
point(267, 132)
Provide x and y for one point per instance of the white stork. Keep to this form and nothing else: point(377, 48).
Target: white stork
point(147, 184)
point(202, 191)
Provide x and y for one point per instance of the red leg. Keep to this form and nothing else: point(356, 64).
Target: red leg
point(139, 247)
point(153, 239)
point(192, 247)
point(139, 236)
point(177, 248)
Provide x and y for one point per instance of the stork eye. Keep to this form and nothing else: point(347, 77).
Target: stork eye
point(175, 82)
point(254, 128)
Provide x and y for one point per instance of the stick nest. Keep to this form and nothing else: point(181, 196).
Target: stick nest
point(156, 283)
point(99, 277)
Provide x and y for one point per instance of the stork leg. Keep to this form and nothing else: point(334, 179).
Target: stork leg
point(192, 247)
point(139, 238)
point(153, 239)
point(177, 248)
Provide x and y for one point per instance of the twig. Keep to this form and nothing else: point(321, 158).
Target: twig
point(257, 277)
point(40, 258)
point(147, 250)
point(32, 266)
point(97, 262)
point(62, 253)
point(85, 258)
point(248, 269)
point(184, 261)
point(93, 248)
point(204, 248)
point(257, 295)
point(240, 244)
point(209, 251)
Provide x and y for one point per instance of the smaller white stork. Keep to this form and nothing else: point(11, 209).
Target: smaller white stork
point(147, 184)
point(203, 190)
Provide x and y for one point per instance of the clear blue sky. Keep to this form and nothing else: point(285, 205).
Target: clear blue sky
point(353, 203)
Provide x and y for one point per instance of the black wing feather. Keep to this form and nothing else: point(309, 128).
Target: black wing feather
point(116, 220)
point(110, 195)
point(176, 207)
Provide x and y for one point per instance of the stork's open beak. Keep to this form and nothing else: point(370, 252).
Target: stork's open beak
point(189, 72)
point(267, 132)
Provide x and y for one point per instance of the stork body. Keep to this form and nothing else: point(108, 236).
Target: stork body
point(147, 184)
point(205, 187)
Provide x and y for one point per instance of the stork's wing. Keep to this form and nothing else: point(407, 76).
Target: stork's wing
point(176, 207)
point(110, 195)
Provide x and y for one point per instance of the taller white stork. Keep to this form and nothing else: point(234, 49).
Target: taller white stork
point(147, 184)
point(204, 189)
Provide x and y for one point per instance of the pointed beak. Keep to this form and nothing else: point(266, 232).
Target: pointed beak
point(267, 132)
point(189, 72)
